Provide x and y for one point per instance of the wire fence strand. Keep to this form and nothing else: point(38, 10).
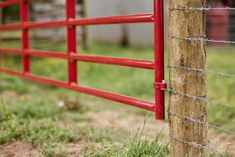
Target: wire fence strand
point(205, 123)
point(199, 146)
point(201, 8)
point(202, 38)
point(201, 98)
point(200, 70)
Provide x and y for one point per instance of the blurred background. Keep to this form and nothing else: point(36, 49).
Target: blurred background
point(220, 23)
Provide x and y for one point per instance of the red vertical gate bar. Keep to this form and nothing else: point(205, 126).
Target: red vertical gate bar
point(71, 40)
point(159, 58)
point(24, 16)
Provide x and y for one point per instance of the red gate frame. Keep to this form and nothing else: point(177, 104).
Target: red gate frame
point(72, 56)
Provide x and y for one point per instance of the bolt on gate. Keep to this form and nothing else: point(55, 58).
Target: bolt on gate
point(157, 18)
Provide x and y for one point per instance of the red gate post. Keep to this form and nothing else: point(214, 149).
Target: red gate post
point(71, 40)
point(24, 16)
point(159, 58)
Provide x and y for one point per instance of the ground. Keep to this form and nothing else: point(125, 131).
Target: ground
point(42, 120)
point(115, 119)
point(19, 149)
point(92, 129)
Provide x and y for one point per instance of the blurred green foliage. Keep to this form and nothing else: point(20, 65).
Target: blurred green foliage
point(7, 13)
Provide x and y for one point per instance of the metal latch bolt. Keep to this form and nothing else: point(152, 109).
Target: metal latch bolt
point(162, 86)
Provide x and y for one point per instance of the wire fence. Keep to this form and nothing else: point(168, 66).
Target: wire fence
point(198, 146)
point(195, 119)
point(202, 9)
point(201, 71)
point(203, 38)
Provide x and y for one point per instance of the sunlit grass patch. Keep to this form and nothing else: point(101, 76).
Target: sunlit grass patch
point(139, 144)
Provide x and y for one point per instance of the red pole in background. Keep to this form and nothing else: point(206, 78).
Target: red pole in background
point(159, 59)
point(24, 16)
point(71, 40)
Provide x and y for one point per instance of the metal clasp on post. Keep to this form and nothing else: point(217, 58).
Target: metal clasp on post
point(162, 86)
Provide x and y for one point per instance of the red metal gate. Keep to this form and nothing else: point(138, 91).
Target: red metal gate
point(72, 56)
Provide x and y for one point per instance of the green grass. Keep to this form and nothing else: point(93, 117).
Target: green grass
point(139, 145)
point(39, 124)
point(220, 88)
point(38, 121)
point(23, 121)
point(33, 114)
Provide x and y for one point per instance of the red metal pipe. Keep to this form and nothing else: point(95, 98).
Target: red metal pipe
point(8, 2)
point(33, 25)
point(96, 92)
point(159, 58)
point(11, 26)
point(45, 53)
point(46, 80)
point(12, 72)
point(147, 64)
point(24, 16)
point(138, 63)
point(136, 18)
point(116, 97)
point(71, 40)
point(44, 24)
point(113, 19)
point(35, 77)
point(11, 51)
point(31, 52)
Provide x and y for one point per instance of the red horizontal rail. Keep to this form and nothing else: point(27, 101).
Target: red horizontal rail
point(8, 2)
point(113, 19)
point(45, 53)
point(33, 25)
point(147, 64)
point(42, 53)
point(139, 63)
point(10, 26)
point(115, 97)
point(46, 80)
point(100, 93)
point(44, 24)
point(11, 51)
point(12, 72)
point(35, 77)
point(84, 21)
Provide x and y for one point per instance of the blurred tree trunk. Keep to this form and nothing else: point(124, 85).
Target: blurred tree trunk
point(1, 16)
point(1, 22)
point(125, 37)
point(86, 36)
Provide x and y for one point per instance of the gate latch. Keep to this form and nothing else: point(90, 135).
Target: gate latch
point(162, 86)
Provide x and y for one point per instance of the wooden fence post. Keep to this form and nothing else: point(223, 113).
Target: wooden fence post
point(187, 50)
